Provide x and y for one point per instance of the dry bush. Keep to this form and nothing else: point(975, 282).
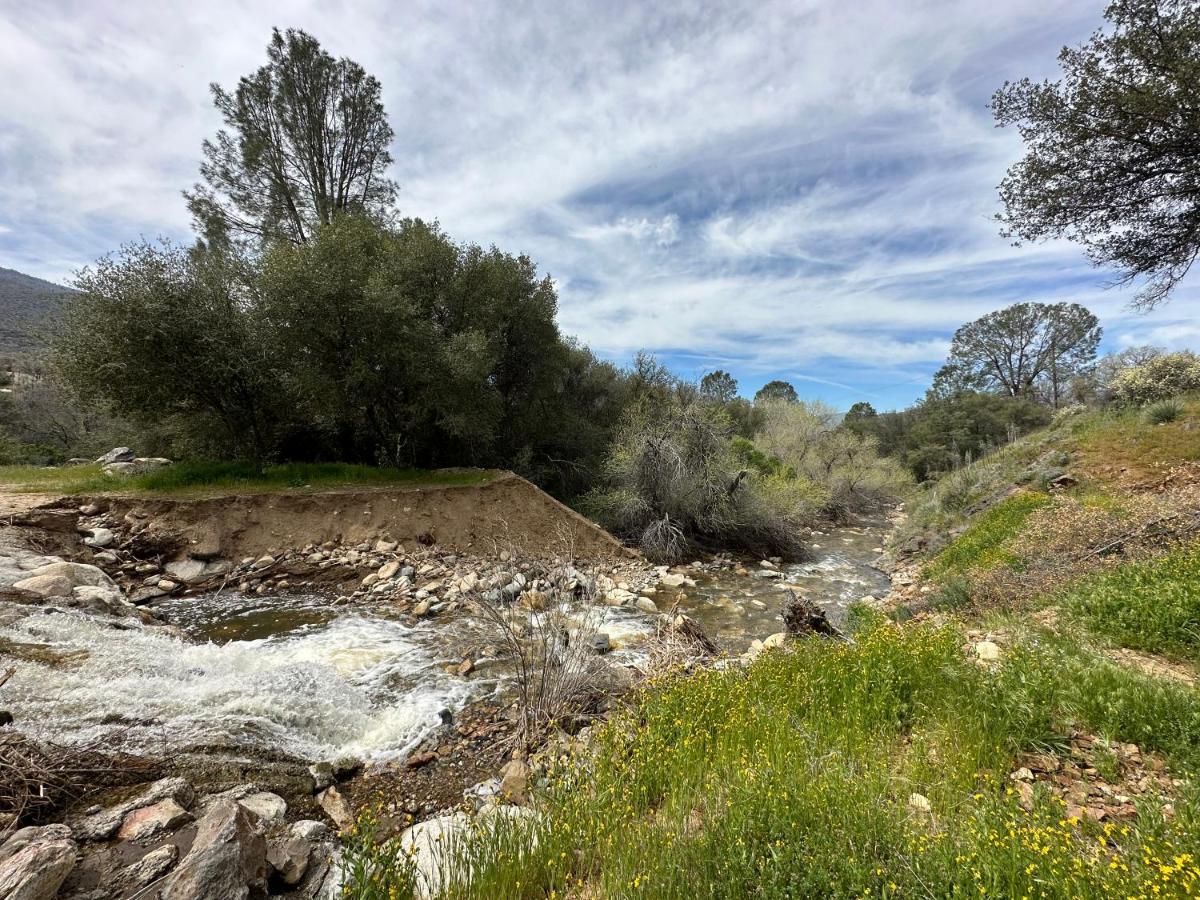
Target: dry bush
point(548, 632)
point(38, 779)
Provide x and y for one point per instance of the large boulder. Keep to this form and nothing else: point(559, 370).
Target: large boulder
point(228, 858)
point(139, 466)
point(103, 825)
point(59, 579)
point(34, 862)
point(116, 454)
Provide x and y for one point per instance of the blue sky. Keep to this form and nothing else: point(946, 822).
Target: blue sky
point(799, 190)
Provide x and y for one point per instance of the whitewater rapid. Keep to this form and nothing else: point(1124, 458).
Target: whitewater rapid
point(356, 685)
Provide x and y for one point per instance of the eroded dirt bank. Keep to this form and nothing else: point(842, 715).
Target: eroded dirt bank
point(505, 513)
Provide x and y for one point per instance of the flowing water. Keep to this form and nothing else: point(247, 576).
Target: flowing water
point(296, 673)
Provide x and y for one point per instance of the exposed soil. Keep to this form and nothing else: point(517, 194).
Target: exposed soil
point(507, 512)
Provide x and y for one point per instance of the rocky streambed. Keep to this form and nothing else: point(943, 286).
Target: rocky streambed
point(363, 661)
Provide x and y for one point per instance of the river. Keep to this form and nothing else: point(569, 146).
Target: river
point(296, 673)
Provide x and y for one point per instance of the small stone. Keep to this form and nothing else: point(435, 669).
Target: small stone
point(388, 570)
point(421, 609)
point(370, 580)
point(263, 562)
point(336, 807)
point(417, 760)
point(466, 667)
point(646, 605)
point(167, 585)
point(919, 803)
point(100, 538)
point(601, 643)
point(987, 651)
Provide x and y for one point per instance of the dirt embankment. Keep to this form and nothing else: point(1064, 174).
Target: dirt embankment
point(506, 513)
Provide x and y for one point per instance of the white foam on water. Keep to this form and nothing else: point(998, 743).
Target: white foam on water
point(359, 685)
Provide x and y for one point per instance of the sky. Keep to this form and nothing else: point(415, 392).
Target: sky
point(798, 190)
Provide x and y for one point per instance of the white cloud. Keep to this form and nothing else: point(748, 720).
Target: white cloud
point(802, 188)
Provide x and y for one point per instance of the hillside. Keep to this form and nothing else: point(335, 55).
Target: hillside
point(25, 303)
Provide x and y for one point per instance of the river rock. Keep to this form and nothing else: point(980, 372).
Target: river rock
point(267, 806)
point(987, 651)
point(59, 579)
point(151, 821)
point(102, 825)
point(289, 857)
point(336, 807)
point(514, 780)
point(150, 867)
point(322, 776)
point(100, 538)
point(431, 845)
point(646, 605)
point(228, 858)
point(310, 829)
point(186, 570)
point(34, 862)
point(388, 570)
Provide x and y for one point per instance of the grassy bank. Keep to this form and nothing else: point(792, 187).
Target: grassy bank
point(200, 478)
point(882, 768)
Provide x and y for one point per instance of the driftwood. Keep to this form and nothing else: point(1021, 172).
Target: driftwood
point(688, 631)
point(803, 617)
point(38, 778)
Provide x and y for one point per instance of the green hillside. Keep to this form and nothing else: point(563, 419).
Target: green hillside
point(25, 304)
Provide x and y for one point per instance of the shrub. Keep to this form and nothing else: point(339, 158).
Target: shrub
point(1163, 411)
point(674, 480)
point(1159, 378)
point(808, 441)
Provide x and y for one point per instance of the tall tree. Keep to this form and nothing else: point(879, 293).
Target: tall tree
point(719, 385)
point(306, 139)
point(1023, 348)
point(1113, 147)
point(776, 390)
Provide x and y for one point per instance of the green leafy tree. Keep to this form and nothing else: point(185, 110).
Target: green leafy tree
point(305, 139)
point(861, 418)
point(1113, 147)
point(1021, 350)
point(160, 332)
point(719, 386)
point(776, 390)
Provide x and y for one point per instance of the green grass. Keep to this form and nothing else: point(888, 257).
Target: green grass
point(982, 545)
point(793, 779)
point(223, 477)
point(1153, 606)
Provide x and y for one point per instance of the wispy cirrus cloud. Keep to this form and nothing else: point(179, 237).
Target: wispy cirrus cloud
point(802, 190)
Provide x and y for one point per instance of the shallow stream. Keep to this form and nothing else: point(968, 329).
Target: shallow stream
point(298, 674)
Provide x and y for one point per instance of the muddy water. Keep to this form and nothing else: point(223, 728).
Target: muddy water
point(298, 674)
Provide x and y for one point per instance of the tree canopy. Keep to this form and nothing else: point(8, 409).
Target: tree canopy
point(1113, 147)
point(719, 385)
point(1021, 350)
point(776, 390)
point(305, 139)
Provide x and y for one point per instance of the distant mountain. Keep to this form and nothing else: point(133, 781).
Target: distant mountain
point(25, 303)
